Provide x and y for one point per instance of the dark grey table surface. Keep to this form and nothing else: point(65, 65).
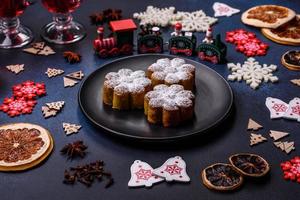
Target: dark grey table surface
point(45, 181)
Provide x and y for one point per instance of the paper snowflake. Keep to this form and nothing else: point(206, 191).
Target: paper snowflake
point(252, 72)
point(155, 16)
point(29, 89)
point(193, 21)
point(15, 107)
point(291, 169)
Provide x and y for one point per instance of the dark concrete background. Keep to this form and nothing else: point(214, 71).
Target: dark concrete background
point(45, 181)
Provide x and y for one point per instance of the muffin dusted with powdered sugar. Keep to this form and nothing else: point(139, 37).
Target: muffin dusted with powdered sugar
point(169, 105)
point(125, 89)
point(174, 71)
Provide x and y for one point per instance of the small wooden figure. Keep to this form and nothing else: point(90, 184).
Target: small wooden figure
point(182, 42)
point(212, 50)
point(150, 40)
point(121, 42)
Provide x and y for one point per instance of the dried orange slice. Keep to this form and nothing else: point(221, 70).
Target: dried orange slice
point(23, 146)
point(249, 164)
point(221, 177)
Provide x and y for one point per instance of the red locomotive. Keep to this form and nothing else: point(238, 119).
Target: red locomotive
point(121, 42)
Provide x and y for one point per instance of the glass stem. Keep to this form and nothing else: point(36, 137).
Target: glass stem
point(10, 26)
point(62, 21)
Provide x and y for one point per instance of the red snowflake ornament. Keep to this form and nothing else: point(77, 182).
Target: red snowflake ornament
point(29, 90)
point(238, 36)
point(291, 169)
point(15, 107)
point(247, 43)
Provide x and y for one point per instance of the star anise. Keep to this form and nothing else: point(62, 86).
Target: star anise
point(112, 14)
point(97, 19)
point(72, 57)
point(75, 149)
point(20, 144)
point(87, 174)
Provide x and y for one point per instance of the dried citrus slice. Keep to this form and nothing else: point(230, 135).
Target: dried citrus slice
point(23, 145)
point(249, 164)
point(222, 177)
point(291, 60)
point(267, 16)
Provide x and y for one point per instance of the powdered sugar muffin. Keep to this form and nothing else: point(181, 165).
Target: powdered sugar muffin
point(169, 105)
point(175, 71)
point(125, 89)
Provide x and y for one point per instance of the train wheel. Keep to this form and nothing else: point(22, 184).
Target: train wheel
point(103, 53)
point(126, 49)
point(143, 49)
point(201, 55)
point(114, 52)
point(173, 51)
point(189, 52)
point(214, 60)
point(157, 49)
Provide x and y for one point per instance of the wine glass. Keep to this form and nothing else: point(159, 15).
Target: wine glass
point(63, 30)
point(12, 33)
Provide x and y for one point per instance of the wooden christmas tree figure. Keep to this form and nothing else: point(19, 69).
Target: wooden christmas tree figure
point(256, 139)
point(47, 112)
point(56, 105)
point(69, 82)
point(276, 135)
point(51, 72)
point(71, 128)
point(296, 81)
point(253, 125)
point(76, 75)
point(287, 147)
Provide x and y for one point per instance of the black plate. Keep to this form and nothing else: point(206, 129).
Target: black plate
point(214, 99)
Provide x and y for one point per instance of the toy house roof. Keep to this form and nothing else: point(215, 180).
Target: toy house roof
point(122, 25)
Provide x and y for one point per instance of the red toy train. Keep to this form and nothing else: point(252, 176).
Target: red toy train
point(121, 42)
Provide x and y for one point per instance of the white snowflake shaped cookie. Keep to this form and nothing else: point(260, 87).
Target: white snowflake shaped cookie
point(155, 16)
point(193, 21)
point(252, 72)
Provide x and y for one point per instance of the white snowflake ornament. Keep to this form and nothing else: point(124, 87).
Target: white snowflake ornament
point(155, 16)
point(222, 9)
point(141, 175)
point(276, 107)
point(196, 21)
point(174, 169)
point(252, 72)
point(293, 112)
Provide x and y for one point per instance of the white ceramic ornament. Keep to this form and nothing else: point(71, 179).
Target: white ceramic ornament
point(277, 107)
point(222, 9)
point(293, 112)
point(141, 175)
point(174, 169)
point(252, 72)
